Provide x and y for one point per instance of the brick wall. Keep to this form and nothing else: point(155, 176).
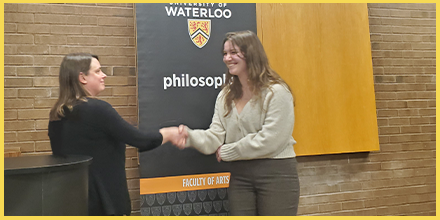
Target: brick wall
point(398, 180)
point(37, 36)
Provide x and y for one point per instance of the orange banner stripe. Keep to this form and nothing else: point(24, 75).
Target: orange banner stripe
point(184, 183)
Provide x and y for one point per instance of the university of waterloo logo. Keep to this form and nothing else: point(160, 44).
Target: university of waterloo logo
point(199, 31)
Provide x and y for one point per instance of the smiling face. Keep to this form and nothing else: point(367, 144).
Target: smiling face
point(234, 59)
point(94, 81)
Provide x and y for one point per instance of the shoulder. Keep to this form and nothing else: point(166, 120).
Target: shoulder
point(278, 90)
point(93, 106)
point(222, 94)
point(278, 97)
point(97, 103)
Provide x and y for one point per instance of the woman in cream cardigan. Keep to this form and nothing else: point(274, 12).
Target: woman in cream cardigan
point(252, 129)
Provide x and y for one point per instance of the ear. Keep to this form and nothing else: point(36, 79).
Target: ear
point(82, 78)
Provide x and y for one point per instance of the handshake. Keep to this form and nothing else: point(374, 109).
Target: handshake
point(176, 135)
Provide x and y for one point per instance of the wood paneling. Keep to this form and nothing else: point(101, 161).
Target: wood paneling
point(323, 51)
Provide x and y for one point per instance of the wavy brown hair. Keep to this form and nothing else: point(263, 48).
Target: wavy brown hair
point(260, 74)
point(71, 89)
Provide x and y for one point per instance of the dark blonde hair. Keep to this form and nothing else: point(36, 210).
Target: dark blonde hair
point(71, 89)
point(260, 74)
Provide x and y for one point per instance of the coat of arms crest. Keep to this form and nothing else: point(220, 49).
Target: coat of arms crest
point(199, 31)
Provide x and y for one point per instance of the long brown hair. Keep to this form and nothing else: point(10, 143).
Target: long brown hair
point(260, 74)
point(71, 89)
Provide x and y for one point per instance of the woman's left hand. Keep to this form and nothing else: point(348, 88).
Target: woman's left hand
point(217, 154)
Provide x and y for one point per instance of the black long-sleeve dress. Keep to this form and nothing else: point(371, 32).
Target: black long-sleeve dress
point(94, 128)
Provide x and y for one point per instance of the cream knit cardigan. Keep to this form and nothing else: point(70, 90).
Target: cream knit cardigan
point(259, 131)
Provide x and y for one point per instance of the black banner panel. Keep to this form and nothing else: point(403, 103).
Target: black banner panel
point(180, 73)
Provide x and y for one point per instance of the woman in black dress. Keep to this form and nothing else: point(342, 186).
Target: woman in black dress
point(83, 125)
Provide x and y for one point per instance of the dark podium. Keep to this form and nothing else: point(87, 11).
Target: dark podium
point(46, 185)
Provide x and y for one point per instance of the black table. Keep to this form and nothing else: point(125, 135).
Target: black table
point(46, 185)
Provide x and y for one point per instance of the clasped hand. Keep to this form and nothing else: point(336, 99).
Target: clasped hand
point(176, 135)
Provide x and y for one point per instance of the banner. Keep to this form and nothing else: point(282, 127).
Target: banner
point(180, 73)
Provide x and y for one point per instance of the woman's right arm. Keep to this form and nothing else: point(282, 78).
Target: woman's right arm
point(118, 128)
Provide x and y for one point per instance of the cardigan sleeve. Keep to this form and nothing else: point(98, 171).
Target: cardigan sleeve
point(274, 135)
point(208, 141)
point(118, 128)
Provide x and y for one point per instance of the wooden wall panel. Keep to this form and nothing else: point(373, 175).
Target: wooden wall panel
point(323, 51)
